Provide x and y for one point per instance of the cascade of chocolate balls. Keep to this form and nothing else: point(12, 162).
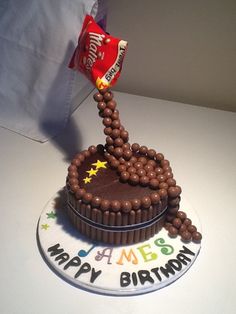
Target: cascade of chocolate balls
point(139, 165)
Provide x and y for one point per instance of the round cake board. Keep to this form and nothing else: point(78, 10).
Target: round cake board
point(112, 270)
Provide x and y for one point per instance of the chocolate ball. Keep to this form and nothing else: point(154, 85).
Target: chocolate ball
point(173, 210)
point(115, 164)
point(174, 191)
point(182, 228)
point(124, 176)
point(162, 193)
point(115, 115)
point(165, 162)
point(109, 140)
point(155, 198)
point(191, 228)
point(167, 168)
point(124, 135)
point(118, 142)
point(104, 90)
point(196, 236)
point(144, 181)
point(127, 154)
point(171, 182)
point(186, 236)
point(143, 150)
point(73, 181)
point(126, 146)
point(135, 147)
point(115, 125)
point(140, 172)
point(154, 183)
point(80, 193)
point(115, 133)
point(138, 165)
point(76, 162)
point(146, 202)
point(131, 170)
point(168, 174)
point(111, 104)
point(136, 203)
point(92, 149)
point(170, 218)
point(101, 105)
point(148, 167)
point(177, 223)
point(107, 112)
point(187, 221)
point(105, 204)
point(72, 168)
point(161, 178)
point(143, 160)
point(151, 174)
point(134, 178)
point(122, 160)
point(121, 168)
point(172, 231)
point(158, 170)
point(80, 157)
point(159, 156)
point(152, 163)
point(107, 121)
point(115, 205)
point(73, 174)
point(118, 152)
point(151, 153)
point(163, 185)
point(108, 96)
point(108, 131)
point(181, 215)
point(75, 188)
point(133, 159)
point(96, 201)
point(87, 197)
point(126, 206)
point(98, 97)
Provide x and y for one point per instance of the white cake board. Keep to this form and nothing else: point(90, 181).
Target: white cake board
point(112, 270)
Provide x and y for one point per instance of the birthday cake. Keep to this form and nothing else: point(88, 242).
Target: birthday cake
point(119, 193)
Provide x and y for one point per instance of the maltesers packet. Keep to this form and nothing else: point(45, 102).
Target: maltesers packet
point(98, 55)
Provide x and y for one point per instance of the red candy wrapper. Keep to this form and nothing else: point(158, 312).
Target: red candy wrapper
point(98, 55)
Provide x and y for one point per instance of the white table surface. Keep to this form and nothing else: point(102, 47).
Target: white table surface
point(200, 144)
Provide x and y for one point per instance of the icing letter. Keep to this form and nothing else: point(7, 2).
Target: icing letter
point(128, 257)
point(147, 256)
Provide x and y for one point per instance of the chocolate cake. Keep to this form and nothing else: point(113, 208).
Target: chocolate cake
point(119, 193)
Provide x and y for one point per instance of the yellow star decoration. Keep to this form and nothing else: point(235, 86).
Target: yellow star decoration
point(92, 172)
point(100, 164)
point(45, 226)
point(87, 180)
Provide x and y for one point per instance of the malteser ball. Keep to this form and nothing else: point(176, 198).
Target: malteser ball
point(174, 191)
point(181, 215)
point(125, 135)
point(177, 223)
point(126, 206)
point(98, 97)
point(115, 133)
point(111, 104)
point(141, 172)
point(159, 156)
point(196, 236)
point(134, 178)
point(144, 180)
point(143, 160)
point(171, 182)
point(116, 124)
point(136, 203)
point(155, 198)
point(146, 202)
point(107, 121)
point(96, 201)
point(124, 176)
point(80, 193)
point(115, 205)
point(173, 232)
point(151, 153)
point(92, 149)
point(101, 105)
point(108, 96)
point(127, 154)
point(135, 147)
point(107, 112)
point(87, 197)
point(186, 236)
point(191, 228)
point(118, 152)
point(118, 142)
point(143, 150)
point(105, 204)
point(154, 183)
